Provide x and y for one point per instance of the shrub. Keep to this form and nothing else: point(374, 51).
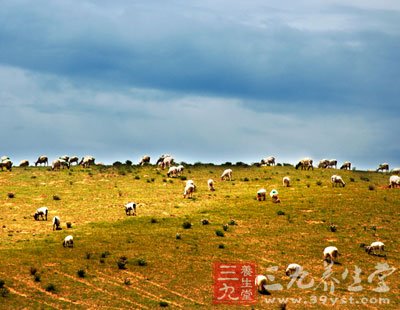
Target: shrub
point(363, 178)
point(69, 225)
point(205, 221)
point(127, 281)
point(122, 262)
point(371, 187)
point(246, 179)
point(232, 222)
point(219, 233)
point(141, 262)
point(81, 273)
point(308, 184)
point(137, 177)
point(117, 164)
point(36, 277)
point(163, 304)
point(4, 291)
point(128, 163)
point(352, 180)
point(33, 271)
point(183, 178)
point(50, 287)
point(10, 195)
point(225, 227)
point(332, 228)
point(2, 283)
point(153, 220)
point(221, 246)
point(187, 225)
point(319, 183)
point(178, 236)
point(280, 212)
point(105, 254)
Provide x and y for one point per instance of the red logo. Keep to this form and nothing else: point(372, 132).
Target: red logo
point(234, 283)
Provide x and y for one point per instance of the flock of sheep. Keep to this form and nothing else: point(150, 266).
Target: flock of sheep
point(330, 253)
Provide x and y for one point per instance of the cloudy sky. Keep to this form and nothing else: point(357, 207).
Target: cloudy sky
point(203, 80)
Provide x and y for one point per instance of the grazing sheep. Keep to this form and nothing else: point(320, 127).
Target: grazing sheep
point(305, 163)
point(274, 195)
point(144, 160)
point(331, 254)
point(293, 270)
point(269, 161)
point(56, 223)
point(382, 167)
point(59, 163)
point(286, 181)
point(188, 191)
point(227, 174)
point(87, 161)
point(4, 158)
point(396, 171)
point(172, 172)
point(260, 282)
point(346, 165)
point(130, 207)
point(68, 242)
point(323, 163)
point(394, 181)
point(375, 246)
point(210, 184)
point(6, 164)
point(180, 169)
point(165, 160)
point(73, 159)
point(336, 180)
point(24, 163)
point(65, 158)
point(42, 160)
point(261, 193)
point(42, 212)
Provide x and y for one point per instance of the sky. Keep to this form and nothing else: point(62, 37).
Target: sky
point(205, 81)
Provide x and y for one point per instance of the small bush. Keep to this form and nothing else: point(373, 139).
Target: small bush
point(4, 291)
point(50, 288)
point(352, 180)
point(221, 246)
point(333, 228)
point(117, 164)
point(163, 304)
point(56, 197)
point(141, 262)
point(371, 187)
point(178, 236)
point(105, 254)
point(246, 179)
point(137, 177)
point(363, 178)
point(232, 222)
point(219, 233)
point(121, 263)
point(10, 195)
point(183, 178)
point(187, 225)
point(153, 220)
point(319, 183)
point(36, 277)
point(280, 212)
point(225, 227)
point(128, 163)
point(308, 184)
point(33, 271)
point(81, 273)
point(2, 283)
point(127, 281)
point(69, 225)
point(205, 221)
point(102, 261)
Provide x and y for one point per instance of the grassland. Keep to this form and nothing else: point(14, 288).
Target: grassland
point(162, 270)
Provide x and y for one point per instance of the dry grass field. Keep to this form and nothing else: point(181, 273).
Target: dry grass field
point(136, 262)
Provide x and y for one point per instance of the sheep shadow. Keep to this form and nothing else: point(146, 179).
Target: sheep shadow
point(378, 255)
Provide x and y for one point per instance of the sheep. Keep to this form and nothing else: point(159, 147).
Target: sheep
point(305, 163)
point(336, 180)
point(64, 157)
point(269, 161)
point(87, 161)
point(73, 159)
point(59, 163)
point(144, 160)
point(161, 158)
point(260, 282)
point(188, 191)
point(210, 184)
point(274, 195)
point(394, 181)
point(293, 270)
point(180, 169)
point(42, 212)
point(227, 174)
point(68, 242)
point(6, 164)
point(286, 181)
point(172, 171)
point(382, 167)
point(331, 254)
point(261, 193)
point(332, 163)
point(56, 223)
point(377, 245)
point(396, 171)
point(346, 165)
point(323, 163)
point(42, 160)
point(165, 160)
point(24, 163)
point(4, 158)
point(130, 207)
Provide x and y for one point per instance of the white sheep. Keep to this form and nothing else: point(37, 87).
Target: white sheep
point(6, 164)
point(394, 181)
point(42, 212)
point(68, 242)
point(180, 169)
point(323, 163)
point(210, 184)
point(261, 193)
point(188, 191)
point(42, 160)
point(56, 223)
point(375, 246)
point(293, 270)
point(331, 254)
point(396, 171)
point(332, 163)
point(59, 163)
point(24, 163)
point(260, 282)
point(346, 165)
point(382, 167)
point(227, 174)
point(269, 161)
point(274, 195)
point(130, 207)
point(286, 181)
point(144, 160)
point(336, 180)
point(172, 172)
point(305, 163)
point(87, 161)
point(73, 159)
